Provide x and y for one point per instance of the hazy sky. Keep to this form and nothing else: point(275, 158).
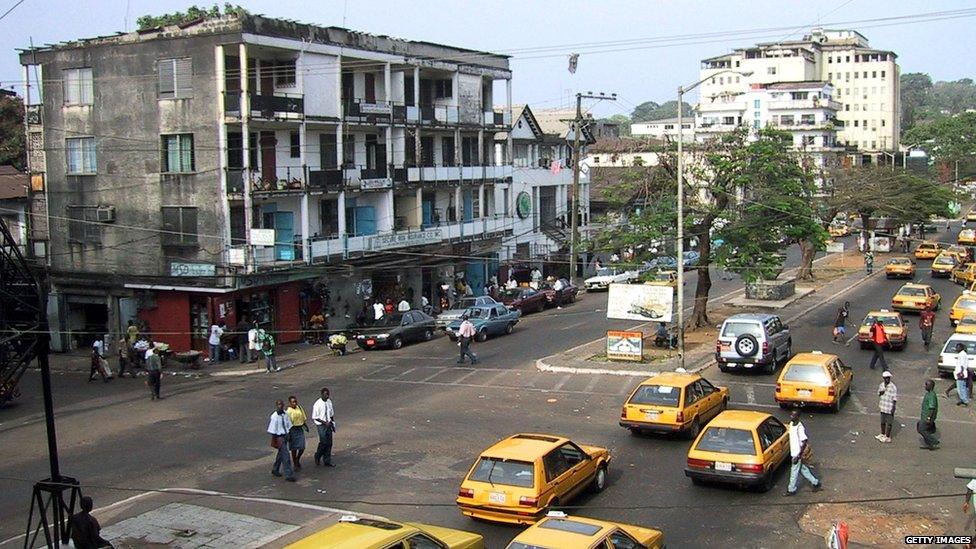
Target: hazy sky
point(666, 41)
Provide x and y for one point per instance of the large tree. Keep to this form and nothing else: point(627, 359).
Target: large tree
point(12, 150)
point(649, 110)
point(752, 194)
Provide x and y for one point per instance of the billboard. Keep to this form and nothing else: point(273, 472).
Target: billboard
point(646, 302)
point(625, 345)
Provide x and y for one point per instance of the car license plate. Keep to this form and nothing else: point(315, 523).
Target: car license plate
point(652, 416)
point(723, 466)
point(804, 393)
point(370, 342)
point(496, 497)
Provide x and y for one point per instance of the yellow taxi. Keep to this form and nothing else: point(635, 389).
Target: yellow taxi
point(927, 250)
point(838, 230)
point(814, 379)
point(521, 477)
point(739, 447)
point(964, 305)
point(966, 325)
point(963, 254)
point(664, 278)
point(916, 297)
point(894, 327)
point(943, 264)
point(352, 532)
point(964, 273)
point(673, 402)
point(971, 216)
point(561, 531)
point(966, 237)
point(900, 267)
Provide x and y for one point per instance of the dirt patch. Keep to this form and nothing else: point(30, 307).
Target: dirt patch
point(869, 525)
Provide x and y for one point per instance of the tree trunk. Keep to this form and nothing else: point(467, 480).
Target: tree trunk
point(807, 251)
point(699, 316)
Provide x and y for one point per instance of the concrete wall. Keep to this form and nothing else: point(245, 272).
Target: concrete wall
point(318, 76)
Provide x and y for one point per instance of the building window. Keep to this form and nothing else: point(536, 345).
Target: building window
point(78, 87)
point(830, 59)
point(855, 123)
point(505, 199)
point(847, 106)
point(294, 145)
point(874, 144)
point(755, 104)
point(177, 153)
point(736, 79)
point(882, 122)
point(874, 74)
point(882, 74)
point(175, 78)
point(83, 225)
point(770, 70)
point(179, 226)
point(847, 59)
point(809, 140)
point(443, 88)
point(855, 75)
point(80, 153)
point(830, 76)
point(755, 124)
point(284, 74)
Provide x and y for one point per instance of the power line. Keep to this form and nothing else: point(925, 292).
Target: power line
point(12, 8)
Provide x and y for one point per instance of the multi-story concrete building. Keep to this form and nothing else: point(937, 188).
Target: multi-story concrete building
point(665, 129)
point(253, 167)
point(865, 80)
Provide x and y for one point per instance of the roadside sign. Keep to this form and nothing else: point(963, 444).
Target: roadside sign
point(625, 345)
point(641, 302)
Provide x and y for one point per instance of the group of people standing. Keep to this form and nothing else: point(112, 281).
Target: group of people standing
point(132, 351)
point(250, 342)
point(288, 426)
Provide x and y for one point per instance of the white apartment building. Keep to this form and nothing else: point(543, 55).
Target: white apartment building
point(865, 80)
point(665, 129)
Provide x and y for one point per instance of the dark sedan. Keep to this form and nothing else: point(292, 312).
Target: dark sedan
point(526, 300)
point(564, 295)
point(393, 330)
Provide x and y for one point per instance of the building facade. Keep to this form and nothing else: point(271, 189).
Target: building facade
point(248, 167)
point(665, 129)
point(865, 81)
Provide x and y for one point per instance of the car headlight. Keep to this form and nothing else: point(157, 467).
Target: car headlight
point(382, 336)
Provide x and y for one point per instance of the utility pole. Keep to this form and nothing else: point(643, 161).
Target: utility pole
point(577, 158)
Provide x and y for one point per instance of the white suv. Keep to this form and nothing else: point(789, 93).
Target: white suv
point(747, 341)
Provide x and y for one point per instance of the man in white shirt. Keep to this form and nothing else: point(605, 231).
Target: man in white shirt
point(216, 331)
point(403, 306)
point(798, 443)
point(559, 285)
point(377, 311)
point(278, 426)
point(466, 333)
point(961, 375)
point(323, 417)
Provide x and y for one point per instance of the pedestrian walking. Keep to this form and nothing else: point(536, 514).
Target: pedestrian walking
point(86, 532)
point(869, 262)
point(267, 343)
point(240, 331)
point(926, 322)
point(154, 365)
point(98, 361)
point(926, 421)
point(388, 307)
point(465, 334)
point(800, 454)
point(216, 332)
point(253, 343)
point(278, 427)
point(132, 333)
point(887, 400)
point(296, 435)
point(840, 325)
point(878, 340)
point(960, 376)
point(124, 362)
point(323, 416)
point(378, 311)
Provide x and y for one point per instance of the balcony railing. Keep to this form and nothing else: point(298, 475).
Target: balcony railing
point(492, 118)
point(722, 106)
point(291, 105)
point(813, 103)
point(326, 180)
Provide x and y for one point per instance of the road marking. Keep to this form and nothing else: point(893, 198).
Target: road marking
point(857, 403)
point(465, 376)
point(485, 386)
point(626, 388)
point(576, 325)
point(592, 384)
point(435, 374)
point(562, 382)
point(750, 394)
point(404, 373)
point(852, 338)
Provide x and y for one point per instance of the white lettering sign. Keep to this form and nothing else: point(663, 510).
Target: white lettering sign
point(375, 184)
point(412, 238)
point(262, 237)
point(192, 269)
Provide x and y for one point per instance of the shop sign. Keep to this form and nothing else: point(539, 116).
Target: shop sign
point(625, 345)
point(523, 205)
point(374, 108)
point(377, 184)
point(411, 238)
point(192, 269)
point(262, 237)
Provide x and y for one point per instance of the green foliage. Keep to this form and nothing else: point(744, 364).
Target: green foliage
point(649, 110)
point(623, 123)
point(191, 14)
point(878, 191)
point(946, 137)
point(12, 148)
point(924, 101)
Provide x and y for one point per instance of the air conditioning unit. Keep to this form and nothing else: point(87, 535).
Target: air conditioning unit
point(106, 214)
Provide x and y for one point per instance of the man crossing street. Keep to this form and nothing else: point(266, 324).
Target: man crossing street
point(465, 334)
point(926, 421)
point(887, 400)
point(926, 321)
point(323, 416)
point(798, 446)
point(878, 340)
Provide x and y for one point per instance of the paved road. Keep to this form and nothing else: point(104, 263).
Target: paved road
point(411, 423)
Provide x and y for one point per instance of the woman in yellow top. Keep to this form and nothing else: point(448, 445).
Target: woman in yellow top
point(296, 435)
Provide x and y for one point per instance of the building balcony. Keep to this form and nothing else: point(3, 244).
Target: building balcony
point(722, 106)
point(706, 127)
point(280, 106)
point(330, 179)
point(497, 119)
point(434, 174)
point(796, 104)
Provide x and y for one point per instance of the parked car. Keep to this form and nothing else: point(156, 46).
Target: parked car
point(751, 340)
point(607, 276)
point(565, 294)
point(461, 305)
point(662, 278)
point(690, 260)
point(368, 533)
point(488, 320)
point(395, 329)
point(525, 300)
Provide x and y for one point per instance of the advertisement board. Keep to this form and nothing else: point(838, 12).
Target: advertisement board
point(642, 302)
point(625, 345)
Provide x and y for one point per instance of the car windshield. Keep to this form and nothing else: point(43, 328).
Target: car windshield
point(886, 320)
point(806, 373)
point(726, 440)
point(913, 292)
point(508, 473)
point(466, 302)
point(390, 320)
point(659, 395)
point(925, 246)
point(512, 293)
point(966, 303)
point(735, 329)
point(477, 312)
point(606, 271)
point(950, 346)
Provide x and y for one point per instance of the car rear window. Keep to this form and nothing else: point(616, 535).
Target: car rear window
point(966, 304)
point(659, 395)
point(508, 473)
point(950, 346)
point(735, 329)
point(726, 440)
point(914, 292)
point(944, 260)
point(899, 261)
point(566, 525)
point(806, 373)
point(520, 545)
point(890, 321)
point(927, 247)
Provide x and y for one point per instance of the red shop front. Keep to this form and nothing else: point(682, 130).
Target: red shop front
point(182, 317)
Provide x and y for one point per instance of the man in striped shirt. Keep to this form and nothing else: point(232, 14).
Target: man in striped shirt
point(887, 399)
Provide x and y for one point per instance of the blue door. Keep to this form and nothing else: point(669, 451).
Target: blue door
point(365, 220)
point(428, 214)
point(475, 275)
point(468, 200)
point(284, 225)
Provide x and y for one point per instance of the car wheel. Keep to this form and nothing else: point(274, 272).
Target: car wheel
point(600, 479)
point(725, 405)
point(694, 429)
point(397, 342)
point(746, 345)
point(723, 368)
point(509, 328)
point(481, 336)
point(771, 366)
point(428, 335)
point(452, 337)
point(835, 407)
point(767, 483)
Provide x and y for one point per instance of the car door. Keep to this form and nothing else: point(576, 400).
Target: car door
point(846, 374)
point(780, 447)
point(618, 539)
point(420, 540)
point(711, 399)
point(581, 467)
point(558, 476)
point(693, 402)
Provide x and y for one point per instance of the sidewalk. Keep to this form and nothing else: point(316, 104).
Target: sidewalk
point(587, 358)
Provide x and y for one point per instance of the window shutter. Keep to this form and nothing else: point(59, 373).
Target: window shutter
point(186, 153)
point(184, 77)
point(189, 225)
point(167, 77)
point(171, 226)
